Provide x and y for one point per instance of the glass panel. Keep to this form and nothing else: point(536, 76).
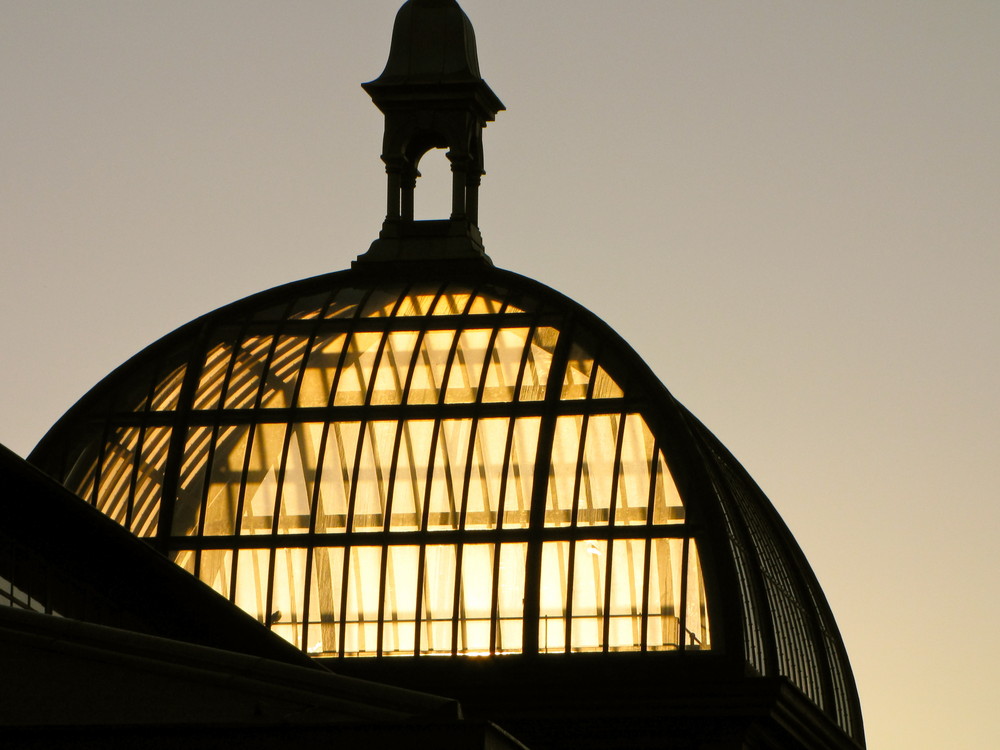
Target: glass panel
point(667, 504)
point(191, 488)
point(467, 367)
point(252, 582)
point(536, 371)
point(326, 584)
point(345, 303)
point(633, 476)
point(309, 308)
point(664, 604)
point(262, 479)
point(483, 491)
point(589, 565)
point(510, 598)
point(216, 568)
point(317, 379)
point(399, 628)
point(224, 487)
point(393, 367)
point(373, 476)
point(449, 473)
point(411, 475)
point(625, 608)
point(149, 481)
point(247, 373)
point(361, 616)
point(516, 485)
point(562, 470)
point(597, 476)
point(356, 369)
point(418, 300)
point(438, 599)
point(115, 486)
point(83, 473)
point(213, 376)
point(296, 484)
point(505, 362)
point(184, 558)
point(284, 371)
point(13, 596)
point(452, 302)
point(578, 370)
point(476, 602)
point(552, 597)
point(511, 308)
point(381, 302)
point(696, 612)
point(605, 387)
point(287, 592)
point(485, 305)
point(169, 390)
point(335, 477)
point(429, 367)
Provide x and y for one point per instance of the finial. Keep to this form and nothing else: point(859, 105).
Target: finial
point(433, 96)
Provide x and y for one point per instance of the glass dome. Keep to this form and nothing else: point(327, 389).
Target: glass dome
point(446, 463)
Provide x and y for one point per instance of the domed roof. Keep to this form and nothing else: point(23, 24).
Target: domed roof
point(428, 456)
point(432, 42)
point(454, 461)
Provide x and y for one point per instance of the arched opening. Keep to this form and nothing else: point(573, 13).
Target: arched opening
point(432, 196)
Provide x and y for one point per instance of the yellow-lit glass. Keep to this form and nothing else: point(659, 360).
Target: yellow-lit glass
point(381, 417)
point(320, 369)
point(438, 599)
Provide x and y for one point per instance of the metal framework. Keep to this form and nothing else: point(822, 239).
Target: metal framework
point(458, 462)
point(423, 468)
point(426, 456)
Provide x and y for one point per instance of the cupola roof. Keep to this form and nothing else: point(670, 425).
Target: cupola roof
point(432, 42)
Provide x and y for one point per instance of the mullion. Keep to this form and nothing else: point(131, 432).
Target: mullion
point(497, 522)
point(248, 447)
point(646, 570)
point(470, 457)
point(310, 552)
point(394, 322)
point(446, 536)
point(581, 458)
point(446, 468)
point(387, 520)
point(615, 479)
point(217, 428)
point(241, 502)
point(375, 412)
point(282, 461)
point(425, 510)
point(345, 573)
point(140, 440)
point(292, 432)
point(425, 515)
point(501, 509)
point(682, 645)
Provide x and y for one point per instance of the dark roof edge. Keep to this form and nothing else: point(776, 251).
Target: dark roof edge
point(88, 554)
point(328, 693)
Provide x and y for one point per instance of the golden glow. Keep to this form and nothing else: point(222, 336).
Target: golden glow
point(354, 482)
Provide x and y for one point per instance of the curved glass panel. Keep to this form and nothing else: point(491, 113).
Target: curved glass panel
point(369, 472)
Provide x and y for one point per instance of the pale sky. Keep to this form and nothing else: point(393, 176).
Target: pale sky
point(790, 209)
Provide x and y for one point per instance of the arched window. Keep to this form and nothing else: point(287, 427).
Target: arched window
point(432, 196)
point(411, 468)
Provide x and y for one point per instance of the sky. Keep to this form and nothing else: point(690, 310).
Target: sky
point(788, 209)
